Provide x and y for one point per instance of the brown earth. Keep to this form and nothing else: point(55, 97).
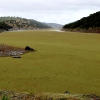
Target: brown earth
point(85, 31)
point(6, 50)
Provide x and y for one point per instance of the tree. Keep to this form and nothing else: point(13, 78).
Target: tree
point(4, 26)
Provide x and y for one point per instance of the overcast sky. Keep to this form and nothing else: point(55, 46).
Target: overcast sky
point(53, 11)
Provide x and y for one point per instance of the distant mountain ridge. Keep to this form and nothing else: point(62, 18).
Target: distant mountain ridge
point(23, 23)
point(54, 25)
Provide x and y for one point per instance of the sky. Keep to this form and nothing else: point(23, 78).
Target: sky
point(50, 11)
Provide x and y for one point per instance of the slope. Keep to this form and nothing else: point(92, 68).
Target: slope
point(90, 23)
point(23, 23)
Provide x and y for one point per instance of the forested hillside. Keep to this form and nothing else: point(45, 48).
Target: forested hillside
point(86, 24)
point(4, 26)
point(23, 23)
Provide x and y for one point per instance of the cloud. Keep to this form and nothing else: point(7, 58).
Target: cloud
point(56, 11)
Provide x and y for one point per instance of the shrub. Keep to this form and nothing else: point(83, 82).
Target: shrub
point(5, 97)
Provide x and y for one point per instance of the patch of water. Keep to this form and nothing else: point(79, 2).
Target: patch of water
point(57, 30)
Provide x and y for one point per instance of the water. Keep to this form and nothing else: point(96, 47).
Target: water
point(57, 30)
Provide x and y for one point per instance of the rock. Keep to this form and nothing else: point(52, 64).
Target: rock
point(28, 48)
point(16, 57)
point(93, 96)
point(66, 92)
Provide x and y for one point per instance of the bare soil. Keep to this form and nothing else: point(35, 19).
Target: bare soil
point(6, 50)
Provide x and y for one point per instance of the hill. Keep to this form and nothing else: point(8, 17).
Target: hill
point(54, 25)
point(90, 23)
point(23, 23)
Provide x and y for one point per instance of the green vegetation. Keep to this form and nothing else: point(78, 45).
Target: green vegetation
point(5, 97)
point(23, 23)
point(4, 26)
point(90, 23)
point(63, 61)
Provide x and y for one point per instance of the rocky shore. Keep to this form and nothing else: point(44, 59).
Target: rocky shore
point(13, 95)
point(6, 50)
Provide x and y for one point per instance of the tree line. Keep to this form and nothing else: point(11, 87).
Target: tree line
point(90, 22)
